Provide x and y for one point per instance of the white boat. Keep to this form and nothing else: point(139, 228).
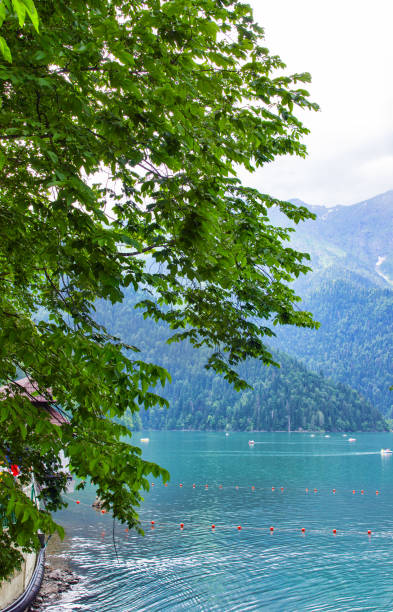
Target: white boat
point(145, 439)
point(312, 436)
point(351, 439)
point(251, 443)
point(344, 435)
point(386, 451)
point(327, 436)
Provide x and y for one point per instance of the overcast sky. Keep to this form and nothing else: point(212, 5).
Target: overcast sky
point(347, 46)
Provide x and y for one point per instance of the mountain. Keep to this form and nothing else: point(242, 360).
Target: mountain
point(356, 239)
point(350, 292)
point(289, 397)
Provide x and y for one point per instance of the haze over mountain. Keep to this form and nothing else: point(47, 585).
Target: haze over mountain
point(355, 239)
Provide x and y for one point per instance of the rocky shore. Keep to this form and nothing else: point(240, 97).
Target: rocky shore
point(56, 581)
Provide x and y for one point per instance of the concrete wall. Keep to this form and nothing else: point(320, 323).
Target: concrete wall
point(11, 589)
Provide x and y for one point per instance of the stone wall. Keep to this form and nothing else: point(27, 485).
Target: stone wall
point(11, 589)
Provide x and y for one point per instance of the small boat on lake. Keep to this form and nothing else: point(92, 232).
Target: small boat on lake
point(351, 439)
point(145, 439)
point(386, 451)
point(251, 443)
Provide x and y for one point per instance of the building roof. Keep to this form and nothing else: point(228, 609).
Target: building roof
point(28, 388)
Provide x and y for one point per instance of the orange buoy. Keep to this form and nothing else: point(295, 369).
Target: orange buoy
point(271, 528)
point(353, 492)
point(334, 530)
point(369, 532)
point(103, 511)
point(165, 484)
point(303, 530)
point(181, 525)
point(213, 526)
point(126, 530)
point(77, 501)
point(252, 488)
point(239, 527)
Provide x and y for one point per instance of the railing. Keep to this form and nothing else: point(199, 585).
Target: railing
point(30, 491)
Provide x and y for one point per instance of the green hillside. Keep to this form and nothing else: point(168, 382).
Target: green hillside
point(289, 397)
point(355, 341)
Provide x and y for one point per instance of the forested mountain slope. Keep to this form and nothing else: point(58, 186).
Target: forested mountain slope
point(281, 398)
point(350, 292)
point(354, 343)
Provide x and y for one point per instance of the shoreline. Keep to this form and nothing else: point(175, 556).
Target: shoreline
point(58, 578)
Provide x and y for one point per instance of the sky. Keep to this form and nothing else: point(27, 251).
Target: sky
point(347, 46)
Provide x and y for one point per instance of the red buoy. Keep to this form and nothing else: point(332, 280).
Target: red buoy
point(103, 511)
point(271, 528)
point(77, 501)
point(165, 484)
point(306, 490)
point(239, 527)
point(193, 486)
point(303, 530)
point(152, 484)
point(272, 488)
point(353, 492)
point(213, 526)
point(152, 522)
point(252, 488)
point(220, 487)
point(362, 492)
point(334, 490)
point(180, 485)
point(376, 492)
point(334, 530)
point(206, 486)
point(282, 488)
point(369, 532)
point(181, 525)
point(315, 490)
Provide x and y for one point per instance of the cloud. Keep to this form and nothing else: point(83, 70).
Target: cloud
point(347, 48)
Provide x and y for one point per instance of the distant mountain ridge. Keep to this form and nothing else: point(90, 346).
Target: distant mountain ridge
point(356, 238)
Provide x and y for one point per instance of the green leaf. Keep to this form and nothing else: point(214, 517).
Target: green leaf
point(5, 50)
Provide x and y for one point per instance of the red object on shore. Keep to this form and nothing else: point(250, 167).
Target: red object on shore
point(15, 470)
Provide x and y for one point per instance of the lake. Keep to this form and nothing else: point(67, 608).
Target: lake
point(284, 481)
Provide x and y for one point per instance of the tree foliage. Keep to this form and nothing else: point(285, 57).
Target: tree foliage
point(122, 126)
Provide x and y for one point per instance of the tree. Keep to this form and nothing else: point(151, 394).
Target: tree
point(163, 100)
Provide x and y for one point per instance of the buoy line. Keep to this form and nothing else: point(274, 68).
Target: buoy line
point(216, 527)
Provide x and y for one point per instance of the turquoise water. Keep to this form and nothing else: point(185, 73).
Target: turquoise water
point(198, 568)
